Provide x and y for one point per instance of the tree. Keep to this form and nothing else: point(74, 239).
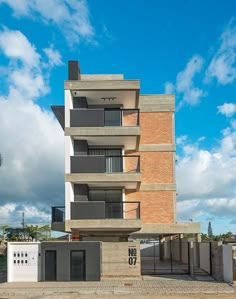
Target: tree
point(210, 233)
point(0, 160)
point(28, 233)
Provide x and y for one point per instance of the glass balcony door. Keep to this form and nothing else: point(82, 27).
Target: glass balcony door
point(113, 156)
point(113, 201)
point(113, 117)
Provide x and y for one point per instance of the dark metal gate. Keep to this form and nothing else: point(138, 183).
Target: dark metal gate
point(234, 269)
point(169, 257)
point(3, 268)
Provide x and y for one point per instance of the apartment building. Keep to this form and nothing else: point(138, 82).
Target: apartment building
point(120, 183)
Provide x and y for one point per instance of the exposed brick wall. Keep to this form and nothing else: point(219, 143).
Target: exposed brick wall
point(130, 118)
point(156, 206)
point(156, 128)
point(157, 167)
point(131, 163)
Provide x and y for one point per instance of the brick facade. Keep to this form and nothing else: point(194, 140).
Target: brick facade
point(156, 168)
point(156, 127)
point(156, 206)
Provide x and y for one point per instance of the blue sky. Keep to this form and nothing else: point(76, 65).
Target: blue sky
point(182, 47)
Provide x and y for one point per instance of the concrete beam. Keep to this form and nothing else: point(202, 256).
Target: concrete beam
point(102, 85)
point(157, 148)
point(153, 230)
point(157, 187)
point(92, 77)
point(103, 225)
point(157, 103)
point(102, 177)
point(103, 131)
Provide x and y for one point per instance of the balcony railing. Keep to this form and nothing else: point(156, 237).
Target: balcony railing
point(58, 214)
point(80, 210)
point(102, 117)
point(105, 164)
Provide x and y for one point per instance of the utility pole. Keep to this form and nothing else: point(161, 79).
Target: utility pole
point(23, 220)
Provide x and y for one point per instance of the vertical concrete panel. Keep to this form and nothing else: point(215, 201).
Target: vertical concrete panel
point(217, 261)
point(204, 249)
point(227, 263)
point(121, 259)
point(73, 70)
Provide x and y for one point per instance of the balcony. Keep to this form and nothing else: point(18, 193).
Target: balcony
point(102, 117)
point(105, 164)
point(99, 216)
point(105, 210)
point(122, 171)
point(58, 218)
point(105, 126)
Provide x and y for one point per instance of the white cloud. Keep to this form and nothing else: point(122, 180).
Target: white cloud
point(223, 64)
point(227, 109)
point(70, 16)
point(207, 178)
point(15, 45)
point(54, 57)
point(184, 81)
point(169, 88)
point(184, 86)
point(31, 175)
point(11, 214)
point(181, 139)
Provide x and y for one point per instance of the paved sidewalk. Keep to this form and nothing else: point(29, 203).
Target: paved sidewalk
point(149, 285)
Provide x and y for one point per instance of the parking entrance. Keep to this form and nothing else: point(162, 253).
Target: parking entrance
point(169, 257)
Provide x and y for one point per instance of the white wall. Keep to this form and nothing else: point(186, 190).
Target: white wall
point(69, 151)
point(68, 106)
point(69, 197)
point(23, 261)
point(227, 263)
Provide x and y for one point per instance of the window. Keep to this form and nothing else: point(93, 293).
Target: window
point(114, 161)
point(113, 199)
point(112, 117)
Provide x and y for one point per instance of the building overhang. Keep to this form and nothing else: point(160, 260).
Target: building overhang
point(103, 226)
point(150, 230)
point(123, 180)
point(102, 136)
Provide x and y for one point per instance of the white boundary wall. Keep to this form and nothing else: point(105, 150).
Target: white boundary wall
point(228, 263)
point(23, 261)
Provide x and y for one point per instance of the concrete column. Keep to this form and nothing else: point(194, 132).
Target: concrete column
point(161, 248)
point(180, 246)
point(191, 258)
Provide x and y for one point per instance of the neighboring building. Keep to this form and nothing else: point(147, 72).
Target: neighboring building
point(119, 178)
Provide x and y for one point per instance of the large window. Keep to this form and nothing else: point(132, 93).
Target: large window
point(113, 201)
point(113, 158)
point(112, 117)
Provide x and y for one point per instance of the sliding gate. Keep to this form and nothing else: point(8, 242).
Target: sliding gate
point(169, 257)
